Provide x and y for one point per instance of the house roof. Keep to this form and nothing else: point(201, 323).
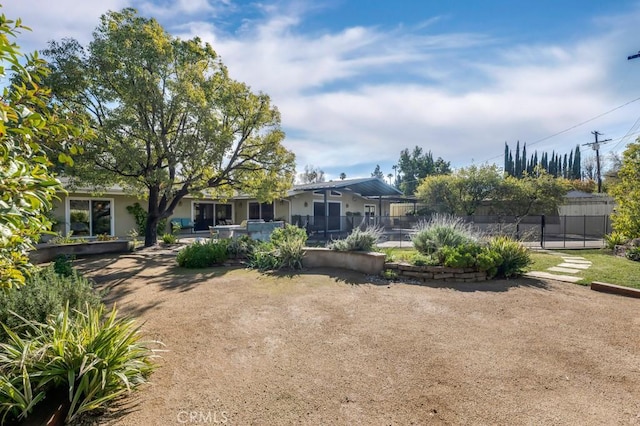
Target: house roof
point(367, 187)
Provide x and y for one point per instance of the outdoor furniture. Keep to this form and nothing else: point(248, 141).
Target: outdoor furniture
point(182, 222)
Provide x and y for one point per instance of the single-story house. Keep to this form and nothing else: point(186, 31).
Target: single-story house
point(346, 203)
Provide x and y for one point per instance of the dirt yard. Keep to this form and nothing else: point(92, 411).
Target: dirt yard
point(330, 347)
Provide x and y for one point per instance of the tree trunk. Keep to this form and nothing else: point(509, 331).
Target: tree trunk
point(151, 230)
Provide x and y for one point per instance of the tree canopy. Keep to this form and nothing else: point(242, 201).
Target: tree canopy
point(462, 192)
point(312, 174)
point(414, 166)
point(29, 125)
point(168, 119)
point(626, 191)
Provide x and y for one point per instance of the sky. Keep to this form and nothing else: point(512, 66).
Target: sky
point(357, 81)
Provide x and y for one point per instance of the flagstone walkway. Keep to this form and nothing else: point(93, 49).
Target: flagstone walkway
point(569, 265)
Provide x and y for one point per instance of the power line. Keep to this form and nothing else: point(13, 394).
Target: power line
point(574, 126)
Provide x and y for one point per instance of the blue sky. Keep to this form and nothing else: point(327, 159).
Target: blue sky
point(358, 81)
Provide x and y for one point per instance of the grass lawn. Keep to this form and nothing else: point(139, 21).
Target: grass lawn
point(605, 267)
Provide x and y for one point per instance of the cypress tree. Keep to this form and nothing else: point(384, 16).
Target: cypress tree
point(518, 170)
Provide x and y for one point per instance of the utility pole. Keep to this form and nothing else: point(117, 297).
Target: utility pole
point(596, 147)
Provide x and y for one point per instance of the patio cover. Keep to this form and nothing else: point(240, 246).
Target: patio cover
point(367, 187)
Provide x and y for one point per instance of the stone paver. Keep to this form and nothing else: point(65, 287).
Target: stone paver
point(574, 265)
point(547, 275)
point(564, 270)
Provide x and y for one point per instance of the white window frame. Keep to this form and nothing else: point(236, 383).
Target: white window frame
point(332, 193)
point(67, 214)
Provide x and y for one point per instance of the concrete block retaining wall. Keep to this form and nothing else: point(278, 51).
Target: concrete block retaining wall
point(436, 273)
point(48, 252)
point(366, 262)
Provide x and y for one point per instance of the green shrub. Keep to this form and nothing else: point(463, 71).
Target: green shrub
point(290, 253)
point(46, 293)
point(203, 254)
point(289, 233)
point(514, 256)
point(441, 231)
point(62, 239)
point(91, 359)
point(140, 216)
point(241, 247)
point(358, 240)
point(169, 239)
point(461, 256)
point(105, 237)
point(264, 257)
point(614, 239)
point(420, 259)
point(63, 265)
point(633, 253)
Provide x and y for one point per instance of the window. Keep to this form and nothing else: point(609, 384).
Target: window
point(332, 193)
point(88, 218)
point(261, 211)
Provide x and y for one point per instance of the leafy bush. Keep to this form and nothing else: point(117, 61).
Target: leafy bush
point(264, 257)
point(614, 239)
point(461, 256)
point(169, 239)
point(358, 240)
point(441, 231)
point(203, 254)
point(284, 250)
point(92, 359)
point(45, 294)
point(280, 236)
point(140, 216)
point(62, 239)
point(633, 253)
point(514, 256)
point(105, 237)
point(241, 247)
point(62, 265)
point(420, 259)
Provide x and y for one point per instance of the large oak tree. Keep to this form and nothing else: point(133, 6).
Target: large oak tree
point(168, 119)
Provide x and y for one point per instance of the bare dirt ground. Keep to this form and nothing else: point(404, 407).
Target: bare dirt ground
point(330, 347)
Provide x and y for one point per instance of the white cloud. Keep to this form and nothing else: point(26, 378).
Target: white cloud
point(358, 95)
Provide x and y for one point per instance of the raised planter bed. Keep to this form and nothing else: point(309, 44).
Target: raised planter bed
point(48, 252)
point(436, 273)
point(371, 263)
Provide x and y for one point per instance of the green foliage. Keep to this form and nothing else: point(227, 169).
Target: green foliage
point(46, 293)
point(60, 239)
point(414, 166)
point(462, 192)
point(515, 258)
point(30, 125)
point(633, 253)
point(538, 193)
point(358, 240)
point(614, 239)
point(284, 250)
point(241, 247)
point(94, 359)
point(441, 231)
point(264, 257)
point(203, 254)
point(210, 133)
point(106, 237)
point(420, 259)
point(390, 274)
point(169, 239)
point(626, 191)
point(63, 265)
point(140, 216)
